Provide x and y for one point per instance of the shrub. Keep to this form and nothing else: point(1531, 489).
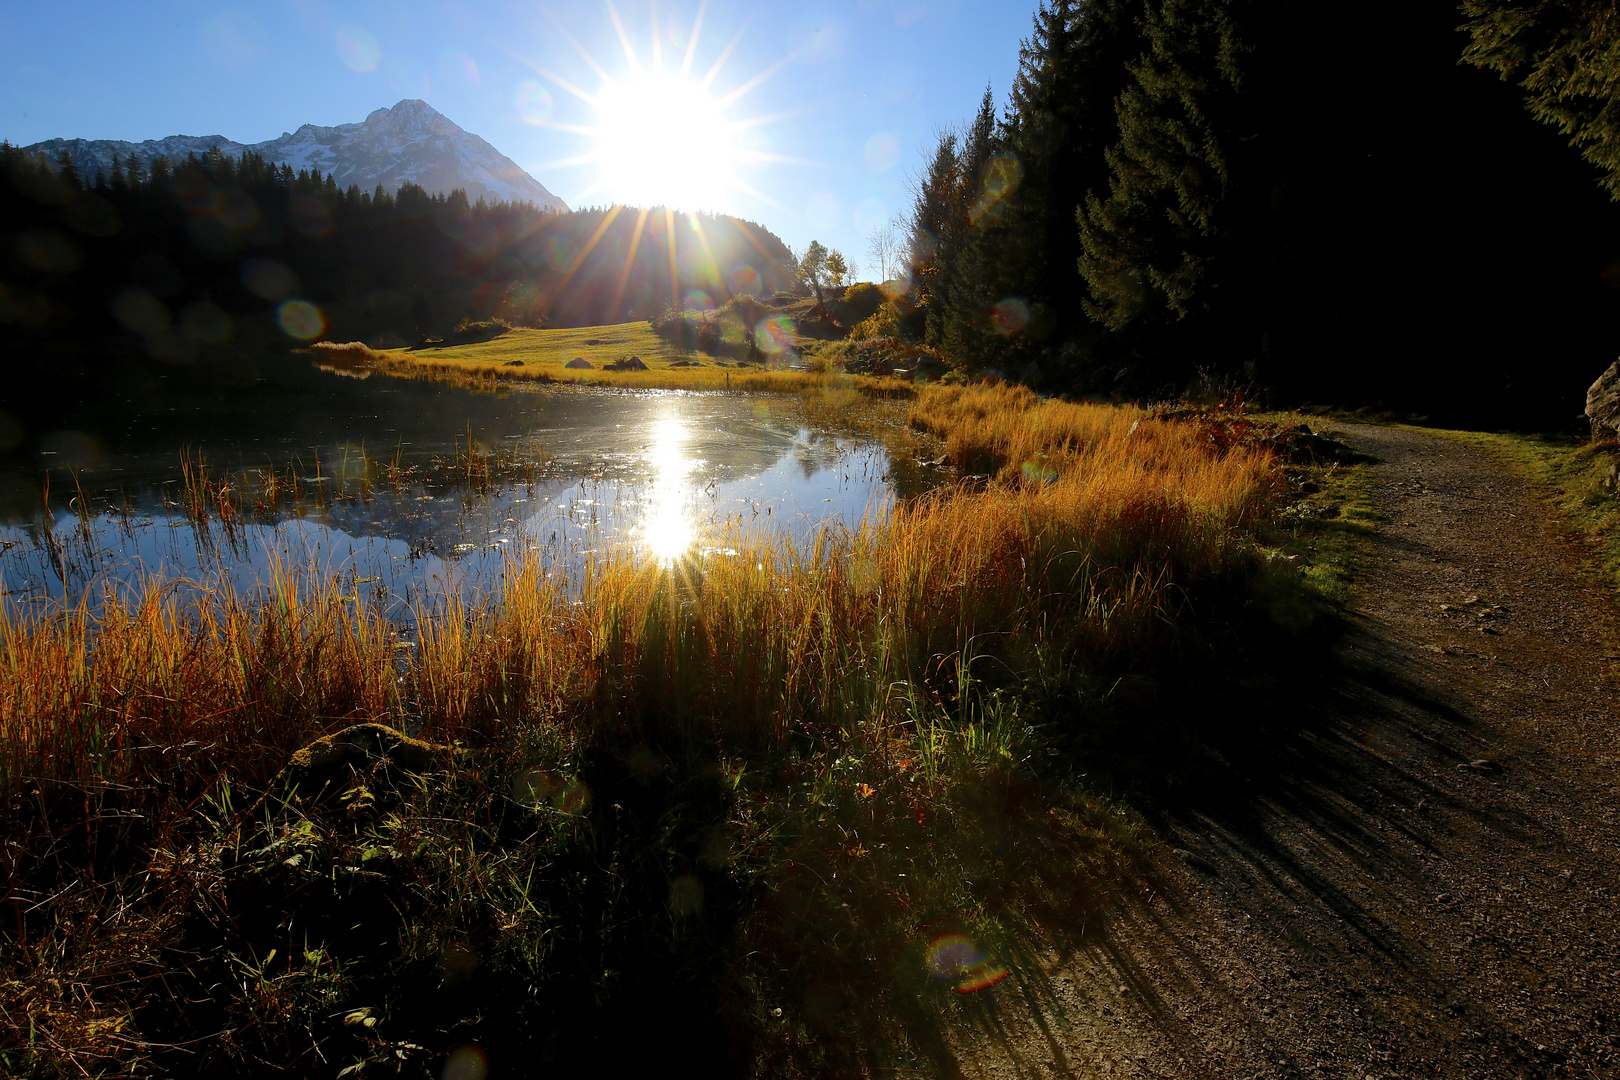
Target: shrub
point(859, 301)
point(469, 331)
point(882, 323)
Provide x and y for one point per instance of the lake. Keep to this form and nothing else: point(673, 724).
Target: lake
point(403, 489)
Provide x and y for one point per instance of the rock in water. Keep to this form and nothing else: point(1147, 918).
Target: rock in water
point(1603, 404)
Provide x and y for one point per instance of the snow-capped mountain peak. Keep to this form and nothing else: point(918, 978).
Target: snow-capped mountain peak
point(411, 142)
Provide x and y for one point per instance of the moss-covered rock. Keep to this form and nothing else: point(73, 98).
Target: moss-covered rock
point(363, 745)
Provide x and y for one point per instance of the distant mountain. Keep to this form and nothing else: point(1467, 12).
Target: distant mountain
point(412, 142)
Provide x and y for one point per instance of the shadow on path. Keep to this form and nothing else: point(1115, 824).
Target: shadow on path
point(1421, 880)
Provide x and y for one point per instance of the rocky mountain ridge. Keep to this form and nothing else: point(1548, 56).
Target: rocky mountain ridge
point(409, 143)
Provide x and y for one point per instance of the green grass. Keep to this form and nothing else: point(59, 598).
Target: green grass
point(1570, 475)
point(541, 355)
point(549, 350)
point(1332, 524)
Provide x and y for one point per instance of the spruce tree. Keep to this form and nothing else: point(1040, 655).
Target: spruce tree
point(1061, 121)
point(1566, 58)
point(965, 252)
point(931, 218)
point(1160, 246)
point(68, 171)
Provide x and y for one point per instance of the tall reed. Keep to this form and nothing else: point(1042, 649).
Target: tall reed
point(1097, 520)
point(831, 742)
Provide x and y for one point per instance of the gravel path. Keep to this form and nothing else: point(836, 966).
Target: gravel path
point(1429, 885)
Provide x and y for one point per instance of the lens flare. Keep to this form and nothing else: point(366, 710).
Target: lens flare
point(898, 84)
point(822, 211)
point(897, 286)
point(1039, 472)
point(1002, 175)
point(870, 215)
point(538, 787)
point(1010, 316)
point(744, 281)
point(358, 49)
point(205, 322)
point(686, 895)
point(698, 300)
point(958, 959)
point(141, 311)
point(533, 102)
point(310, 215)
point(559, 253)
point(882, 152)
point(774, 335)
point(458, 67)
point(301, 319)
point(466, 1062)
point(268, 279)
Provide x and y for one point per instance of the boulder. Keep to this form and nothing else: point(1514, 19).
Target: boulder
point(580, 362)
point(1603, 404)
point(362, 743)
point(357, 771)
point(513, 363)
point(632, 363)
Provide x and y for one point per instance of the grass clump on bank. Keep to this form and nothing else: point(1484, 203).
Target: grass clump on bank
point(756, 800)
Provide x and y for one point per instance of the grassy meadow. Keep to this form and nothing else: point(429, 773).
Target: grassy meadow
point(800, 812)
point(542, 355)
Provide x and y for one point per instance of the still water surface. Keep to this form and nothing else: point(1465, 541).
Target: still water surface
point(655, 473)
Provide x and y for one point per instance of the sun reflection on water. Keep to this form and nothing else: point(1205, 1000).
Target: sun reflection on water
point(667, 525)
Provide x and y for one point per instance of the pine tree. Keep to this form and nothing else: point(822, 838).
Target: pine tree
point(1157, 247)
point(68, 171)
point(964, 247)
point(1061, 121)
point(812, 268)
point(931, 216)
point(1566, 58)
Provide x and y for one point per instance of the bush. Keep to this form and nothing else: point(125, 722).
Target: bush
point(882, 323)
point(858, 302)
point(469, 331)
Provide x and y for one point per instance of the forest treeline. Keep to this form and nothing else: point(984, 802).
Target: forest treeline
point(187, 256)
point(1327, 201)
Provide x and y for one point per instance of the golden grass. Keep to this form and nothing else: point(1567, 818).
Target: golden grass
point(1097, 512)
point(844, 703)
point(522, 355)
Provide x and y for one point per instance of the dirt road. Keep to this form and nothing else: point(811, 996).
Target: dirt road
point(1429, 885)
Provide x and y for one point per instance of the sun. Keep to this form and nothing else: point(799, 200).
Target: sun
point(661, 140)
point(661, 134)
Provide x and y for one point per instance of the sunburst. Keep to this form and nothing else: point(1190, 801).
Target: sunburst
point(662, 134)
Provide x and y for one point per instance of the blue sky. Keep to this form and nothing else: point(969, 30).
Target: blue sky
point(823, 110)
